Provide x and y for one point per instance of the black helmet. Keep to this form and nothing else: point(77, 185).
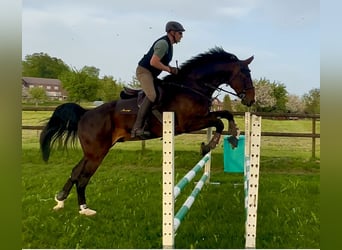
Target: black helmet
point(175, 26)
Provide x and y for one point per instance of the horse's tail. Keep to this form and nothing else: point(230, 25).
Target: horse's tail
point(61, 127)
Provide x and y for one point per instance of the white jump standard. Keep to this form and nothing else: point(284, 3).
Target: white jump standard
point(251, 176)
point(171, 222)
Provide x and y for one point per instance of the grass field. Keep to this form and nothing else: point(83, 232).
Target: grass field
point(126, 192)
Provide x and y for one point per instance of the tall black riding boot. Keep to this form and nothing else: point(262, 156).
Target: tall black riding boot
point(138, 128)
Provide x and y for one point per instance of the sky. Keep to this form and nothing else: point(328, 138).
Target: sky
point(283, 36)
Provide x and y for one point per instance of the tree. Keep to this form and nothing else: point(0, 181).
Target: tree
point(109, 89)
point(294, 104)
point(37, 94)
point(81, 84)
point(312, 101)
point(280, 95)
point(270, 96)
point(237, 106)
point(227, 103)
point(265, 100)
point(91, 71)
point(134, 83)
point(42, 65)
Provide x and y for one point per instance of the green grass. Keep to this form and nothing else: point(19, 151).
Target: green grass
point(126, 193)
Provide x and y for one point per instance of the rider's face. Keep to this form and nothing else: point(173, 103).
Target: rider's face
point(178, 36)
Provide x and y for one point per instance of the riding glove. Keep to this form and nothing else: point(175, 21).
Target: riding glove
point(173, 70)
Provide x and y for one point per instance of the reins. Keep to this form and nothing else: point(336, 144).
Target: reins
point(220, 89)
point(190, 89)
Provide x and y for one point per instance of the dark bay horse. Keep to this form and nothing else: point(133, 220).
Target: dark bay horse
point(188, 94)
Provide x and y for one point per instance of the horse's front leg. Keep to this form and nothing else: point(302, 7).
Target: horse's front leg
point(233, 130)
point(218, 124)
point(225, 114)
point(205, 148)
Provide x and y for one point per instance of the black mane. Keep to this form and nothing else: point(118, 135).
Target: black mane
point(213, 55)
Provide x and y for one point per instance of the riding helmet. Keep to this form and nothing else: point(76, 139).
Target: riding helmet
point(175, 26)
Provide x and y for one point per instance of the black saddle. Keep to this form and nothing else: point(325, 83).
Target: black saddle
point(132, 100)
point(128, 93)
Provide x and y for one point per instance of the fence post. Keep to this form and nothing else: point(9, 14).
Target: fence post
point(313, 150)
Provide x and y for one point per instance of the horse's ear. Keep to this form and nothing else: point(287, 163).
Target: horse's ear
point(248, 61)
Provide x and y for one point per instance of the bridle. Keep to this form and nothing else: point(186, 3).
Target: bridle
point(242, 94)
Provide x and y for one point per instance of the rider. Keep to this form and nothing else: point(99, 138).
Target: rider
point(150, 66)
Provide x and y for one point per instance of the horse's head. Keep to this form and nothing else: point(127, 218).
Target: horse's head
point(242, 83)
point(204, 74)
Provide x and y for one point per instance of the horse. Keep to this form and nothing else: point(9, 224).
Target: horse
point(188, 94)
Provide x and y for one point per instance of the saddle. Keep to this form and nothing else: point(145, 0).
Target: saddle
point(138, 94)
point(128, 93)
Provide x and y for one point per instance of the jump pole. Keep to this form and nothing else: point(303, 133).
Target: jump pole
point(251, 176)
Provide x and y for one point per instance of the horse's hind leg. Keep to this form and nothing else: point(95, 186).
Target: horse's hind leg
point(63, 194)
point(80, 176)
point(88, 170)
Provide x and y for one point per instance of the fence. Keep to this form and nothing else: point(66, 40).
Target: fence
point(314, 117)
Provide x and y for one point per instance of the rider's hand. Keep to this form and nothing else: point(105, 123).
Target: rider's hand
point(173, 70)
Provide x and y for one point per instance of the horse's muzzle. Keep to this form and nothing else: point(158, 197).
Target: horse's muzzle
point(248, 103)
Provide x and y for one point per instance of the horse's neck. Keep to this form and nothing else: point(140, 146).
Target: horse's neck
point(202, 80)
point(210, 72)
point(208, 78)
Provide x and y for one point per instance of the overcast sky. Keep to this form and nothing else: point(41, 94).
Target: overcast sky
point(283, 35)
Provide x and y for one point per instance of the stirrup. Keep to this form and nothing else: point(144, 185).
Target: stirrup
point(141, 133)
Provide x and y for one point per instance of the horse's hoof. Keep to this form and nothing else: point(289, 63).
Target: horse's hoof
point(204, 149)
point(233, 141)
point(60, 204)
point(87, 212)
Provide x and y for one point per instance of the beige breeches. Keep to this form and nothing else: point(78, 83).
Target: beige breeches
point(145, 78)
